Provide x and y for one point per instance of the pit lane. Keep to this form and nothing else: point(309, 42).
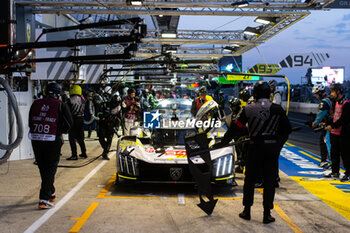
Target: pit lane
point(101, 206)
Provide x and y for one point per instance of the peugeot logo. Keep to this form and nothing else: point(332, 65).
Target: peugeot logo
point(175, 173)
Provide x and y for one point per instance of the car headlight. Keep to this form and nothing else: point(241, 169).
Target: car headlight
point(128, 165)
point(223, 165)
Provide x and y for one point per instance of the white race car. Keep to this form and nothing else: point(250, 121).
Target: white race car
point(159, 155)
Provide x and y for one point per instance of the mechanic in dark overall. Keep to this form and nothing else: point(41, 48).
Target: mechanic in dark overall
point(108, 116)
point(325, 112)
point(48, 119)
point(235, 106)
point(268, 128)
point(76, 105)
point(340, 133)
point(200, 100)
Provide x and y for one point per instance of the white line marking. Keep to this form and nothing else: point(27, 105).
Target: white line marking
point(66, 198)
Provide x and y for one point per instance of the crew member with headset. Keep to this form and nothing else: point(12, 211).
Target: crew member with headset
point(130, 109)
point(48, 119)
point(200, 100)
point(245, 97)
point(235, 106)
point(268, 128)
point(340, 133)
point(325, 112)
point(108, 117)
point(275, 96)
point(76, 104)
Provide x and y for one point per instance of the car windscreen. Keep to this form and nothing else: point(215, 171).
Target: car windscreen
point(178, 105)
point(170, 137)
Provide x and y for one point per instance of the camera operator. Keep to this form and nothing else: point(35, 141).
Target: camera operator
point(325, 112)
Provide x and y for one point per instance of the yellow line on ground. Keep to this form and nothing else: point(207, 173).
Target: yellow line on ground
point(311, 156)
point(107, 187)
point(289, 221)
point(145, 197)
point(83, 218)
point(289, 144)
point(328, 193)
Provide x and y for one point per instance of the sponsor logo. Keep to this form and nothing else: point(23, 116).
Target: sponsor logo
point(175, 173)
point(152, 120)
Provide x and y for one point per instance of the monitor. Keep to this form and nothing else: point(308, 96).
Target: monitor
point(231, 64)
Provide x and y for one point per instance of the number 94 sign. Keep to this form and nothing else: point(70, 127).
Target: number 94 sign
point(304, 60)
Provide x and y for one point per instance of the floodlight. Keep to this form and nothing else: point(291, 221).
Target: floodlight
point(265, 20)
point(169, 48)
point(251, 31)
point(168, 34)
point(134, 2)
point(240, 4)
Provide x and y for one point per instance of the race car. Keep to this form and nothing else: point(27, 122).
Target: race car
point(159, 154)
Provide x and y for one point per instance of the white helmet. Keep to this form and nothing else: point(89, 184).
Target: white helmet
point(108, 90)
point(318, 88)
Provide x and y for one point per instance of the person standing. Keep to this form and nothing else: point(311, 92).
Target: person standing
point(275, 96)
point(48, 119)
point(200, 100)
point(77, 105)
point(268, 128)
point(108, 118)
point(340, 133)
point(130, 109)
point(325, 112)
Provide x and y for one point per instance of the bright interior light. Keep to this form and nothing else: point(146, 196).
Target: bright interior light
point(170, 35)
point(136, 3)
point(251, 31)
point(265, 20)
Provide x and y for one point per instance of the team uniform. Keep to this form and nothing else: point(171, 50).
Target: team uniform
point(48, 119)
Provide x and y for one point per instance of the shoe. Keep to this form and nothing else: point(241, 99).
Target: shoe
point(72, 158)
point(84, 156)
point(323, 164)
point(105, 157)
point(268, 219)
point(245, 214)
point(43, 204)
point(53, 197)
point(346, 178)
point(332, 175)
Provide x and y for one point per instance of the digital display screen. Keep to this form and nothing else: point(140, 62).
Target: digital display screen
point(231, 64)
point(327, 75)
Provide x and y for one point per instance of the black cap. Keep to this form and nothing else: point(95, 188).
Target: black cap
point(261, 90)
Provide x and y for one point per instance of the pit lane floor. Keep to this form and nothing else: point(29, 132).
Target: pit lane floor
point(88, 201)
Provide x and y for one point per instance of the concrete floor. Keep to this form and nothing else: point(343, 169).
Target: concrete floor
point(91, 203)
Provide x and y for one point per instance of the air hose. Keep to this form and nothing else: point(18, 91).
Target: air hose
point(12, 106)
